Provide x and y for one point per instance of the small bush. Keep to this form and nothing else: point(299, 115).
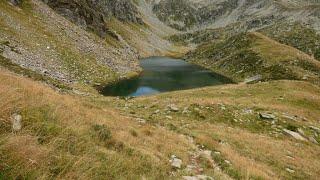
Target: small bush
point(115, 145)
point(102, 132)
point(133, 133)
point(147, 132)
point(292, 127)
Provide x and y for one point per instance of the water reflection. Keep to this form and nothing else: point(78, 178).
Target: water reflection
point(162, 74)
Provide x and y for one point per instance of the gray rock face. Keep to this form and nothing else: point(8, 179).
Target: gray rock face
point(93, 14)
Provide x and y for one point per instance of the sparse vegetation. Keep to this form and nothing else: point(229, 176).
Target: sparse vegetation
point(225, 119)
point(55, 125)
point(248, 54)
point(297, 35)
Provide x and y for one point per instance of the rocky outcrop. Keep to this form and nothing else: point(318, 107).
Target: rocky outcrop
point(93, 15)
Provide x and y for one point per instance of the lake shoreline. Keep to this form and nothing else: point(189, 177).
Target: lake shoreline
point(163, 74)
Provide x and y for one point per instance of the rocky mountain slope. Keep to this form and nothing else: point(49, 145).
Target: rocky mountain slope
point(93, 15)
point(35, 37)
point(80, 41)
point(249, 14)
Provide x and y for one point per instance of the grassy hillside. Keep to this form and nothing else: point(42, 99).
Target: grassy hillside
point(249, 54)
point(226, 120)
point(297, 35)
point(71, 137)
point(65, 136)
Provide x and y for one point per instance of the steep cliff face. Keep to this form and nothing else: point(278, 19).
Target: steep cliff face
point(251, 14)
point(92, 14)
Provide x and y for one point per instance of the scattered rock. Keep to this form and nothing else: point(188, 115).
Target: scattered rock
point(313, 140)
point(190, 168)
point(290, 170)
point(280, 98)
point(294, 135)
point(253, 79)
point(175, 162)
point(185, 110)
point(247, 111)
point(16, 122)
point(169, 117)
point(140, 120)
point(267, 116)
point(290, 157)
point(206, 153)
point(314, 128)
point(293, 118)
point(305, 77)
point(173, 107)
point(197, 177)
point(301, 132)
point(226, 161)
point(222, 106)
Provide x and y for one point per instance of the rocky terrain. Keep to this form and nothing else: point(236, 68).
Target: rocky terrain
point(35, 37)
point(93, 15)
point(252, 14)
point(54, 124)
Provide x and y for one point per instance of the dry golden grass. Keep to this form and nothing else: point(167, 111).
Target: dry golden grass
point(250, 147)
point(254, 153)
point(69, 116)
point(59, 127)
point(276, 52)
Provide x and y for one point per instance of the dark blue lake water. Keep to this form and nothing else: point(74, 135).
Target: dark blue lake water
point(163, 74)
